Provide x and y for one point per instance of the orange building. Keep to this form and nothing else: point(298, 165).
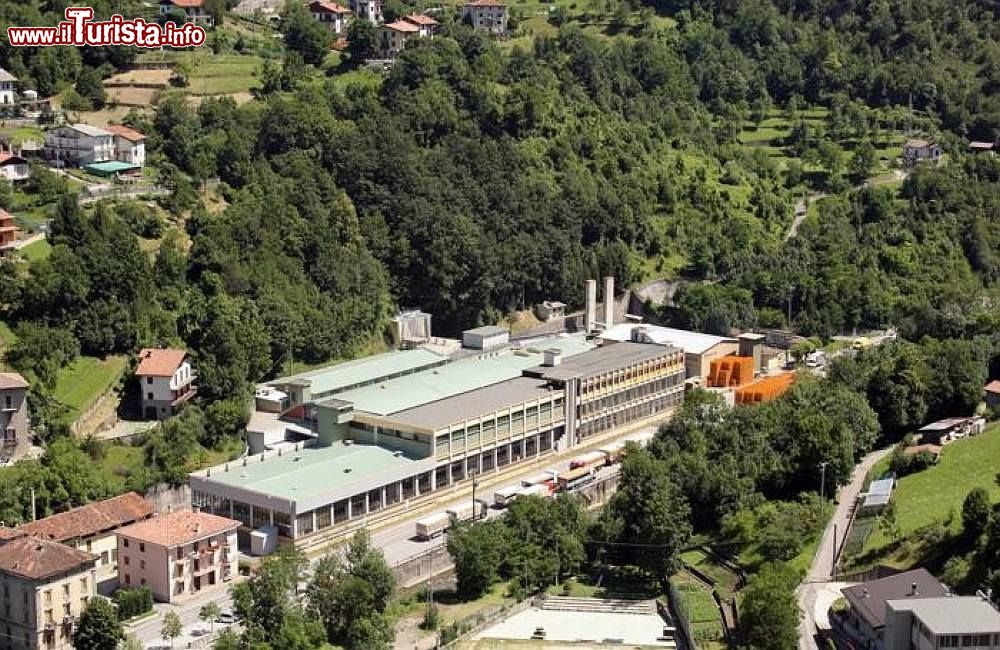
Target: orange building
point(731, 371)
point(8, 232)
point(765, 390)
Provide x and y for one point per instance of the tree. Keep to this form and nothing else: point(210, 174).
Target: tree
point(862, 161)
point(976, 511)
point(651, 514)
point(362, 39)
point(209, 612)
point(476, 551)
point(172, 627)
point(98, 628)
point(303, 34)
point(90, 87)
point(769, 614)
point(349, 597)
point(132, 643)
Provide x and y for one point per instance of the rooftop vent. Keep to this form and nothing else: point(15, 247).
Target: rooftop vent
point(347, 470)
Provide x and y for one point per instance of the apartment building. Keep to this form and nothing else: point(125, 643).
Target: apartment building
point(44, 587)
point(178, 554)
point(15, 426)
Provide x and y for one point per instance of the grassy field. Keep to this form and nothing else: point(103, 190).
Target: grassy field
point(21, 134)
point(225, 75)
point(38, 250)
point(83, 381)
point(725, 580)
point(122, 461)
point(930, 495)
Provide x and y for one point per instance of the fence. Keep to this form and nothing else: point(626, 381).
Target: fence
point(421, 567)
point(874, 573)
point(483, 619)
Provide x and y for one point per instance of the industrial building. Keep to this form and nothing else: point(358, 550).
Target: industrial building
point(383, 431)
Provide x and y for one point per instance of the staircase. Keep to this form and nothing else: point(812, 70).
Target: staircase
point(599, 605)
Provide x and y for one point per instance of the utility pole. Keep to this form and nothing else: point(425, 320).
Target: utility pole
point(822, 483)
point(833, 559)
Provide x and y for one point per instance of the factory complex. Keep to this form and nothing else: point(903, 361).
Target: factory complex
point(336, 445)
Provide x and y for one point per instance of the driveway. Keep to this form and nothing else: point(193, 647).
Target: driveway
point(815, 587)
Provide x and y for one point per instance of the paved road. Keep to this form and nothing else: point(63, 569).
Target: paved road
point(195, 633)
point(821, 570)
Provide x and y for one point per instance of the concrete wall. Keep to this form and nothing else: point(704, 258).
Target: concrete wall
point(167, 498)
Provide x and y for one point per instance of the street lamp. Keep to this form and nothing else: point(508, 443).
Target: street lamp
point(822, 484)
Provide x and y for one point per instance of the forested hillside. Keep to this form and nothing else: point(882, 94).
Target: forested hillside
point(478, 178)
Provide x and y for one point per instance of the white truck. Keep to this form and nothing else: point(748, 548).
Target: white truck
point(467, 510)
point(547, 476)
point(505, 495)
point(432, 526)
point(534, 490)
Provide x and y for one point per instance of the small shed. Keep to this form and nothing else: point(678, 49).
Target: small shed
point(879, 493)
point(486, 338)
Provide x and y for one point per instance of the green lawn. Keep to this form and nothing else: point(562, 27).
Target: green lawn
point(20, 134)
point(35, 251)
point(225, 75)
point(7, 336)
point(81, 382)
point(930, 495)
point(725, 580)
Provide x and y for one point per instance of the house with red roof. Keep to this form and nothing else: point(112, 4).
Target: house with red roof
point(193, 10)
point(486, 15)
point(166, 381)
point(91, 528)
point(427, 25)
point(331, 15)
point(13, 167)
point(178, 554)
point(393, 37)
point(130, 145)
point(992, 394)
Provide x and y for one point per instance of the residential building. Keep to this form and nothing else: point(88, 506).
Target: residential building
point(92, 528)
point(8, 88)
point(8, 232)
point(79, 144)
point(370, 10)
point(865, 619)
point(130, 145)
point(166, 381)
point(14, 168)
point(44, 587)
point(178, 554)
point(992, 394)
point(919, 150)
point(486, 15)
point(193, 10)
point(393, 37)
point(15, 427)
point(331, 15)
point(950, 622)
point(427, 25)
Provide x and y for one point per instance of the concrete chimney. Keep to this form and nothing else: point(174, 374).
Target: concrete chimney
point(913, 589)
point(552, 357)
point(609, 302)
point(590, 313)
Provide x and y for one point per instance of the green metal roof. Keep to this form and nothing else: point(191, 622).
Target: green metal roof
point(457, 377)
point(361, 371)
point(110, 166)
point(312, 471)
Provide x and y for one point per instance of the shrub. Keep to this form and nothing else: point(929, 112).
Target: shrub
point(132, 602)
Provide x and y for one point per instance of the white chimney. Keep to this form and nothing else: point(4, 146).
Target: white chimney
point(590, 313)
point(552, 357)
point(609, 302)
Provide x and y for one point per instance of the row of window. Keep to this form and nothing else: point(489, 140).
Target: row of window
point(646, 370)
point(964, 640)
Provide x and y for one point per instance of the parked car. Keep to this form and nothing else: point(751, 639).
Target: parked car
point(226, 617)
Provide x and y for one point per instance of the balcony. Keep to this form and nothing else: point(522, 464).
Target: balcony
point(183, 394)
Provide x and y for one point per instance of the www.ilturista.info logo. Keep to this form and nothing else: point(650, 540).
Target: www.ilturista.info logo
point(78, 29)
